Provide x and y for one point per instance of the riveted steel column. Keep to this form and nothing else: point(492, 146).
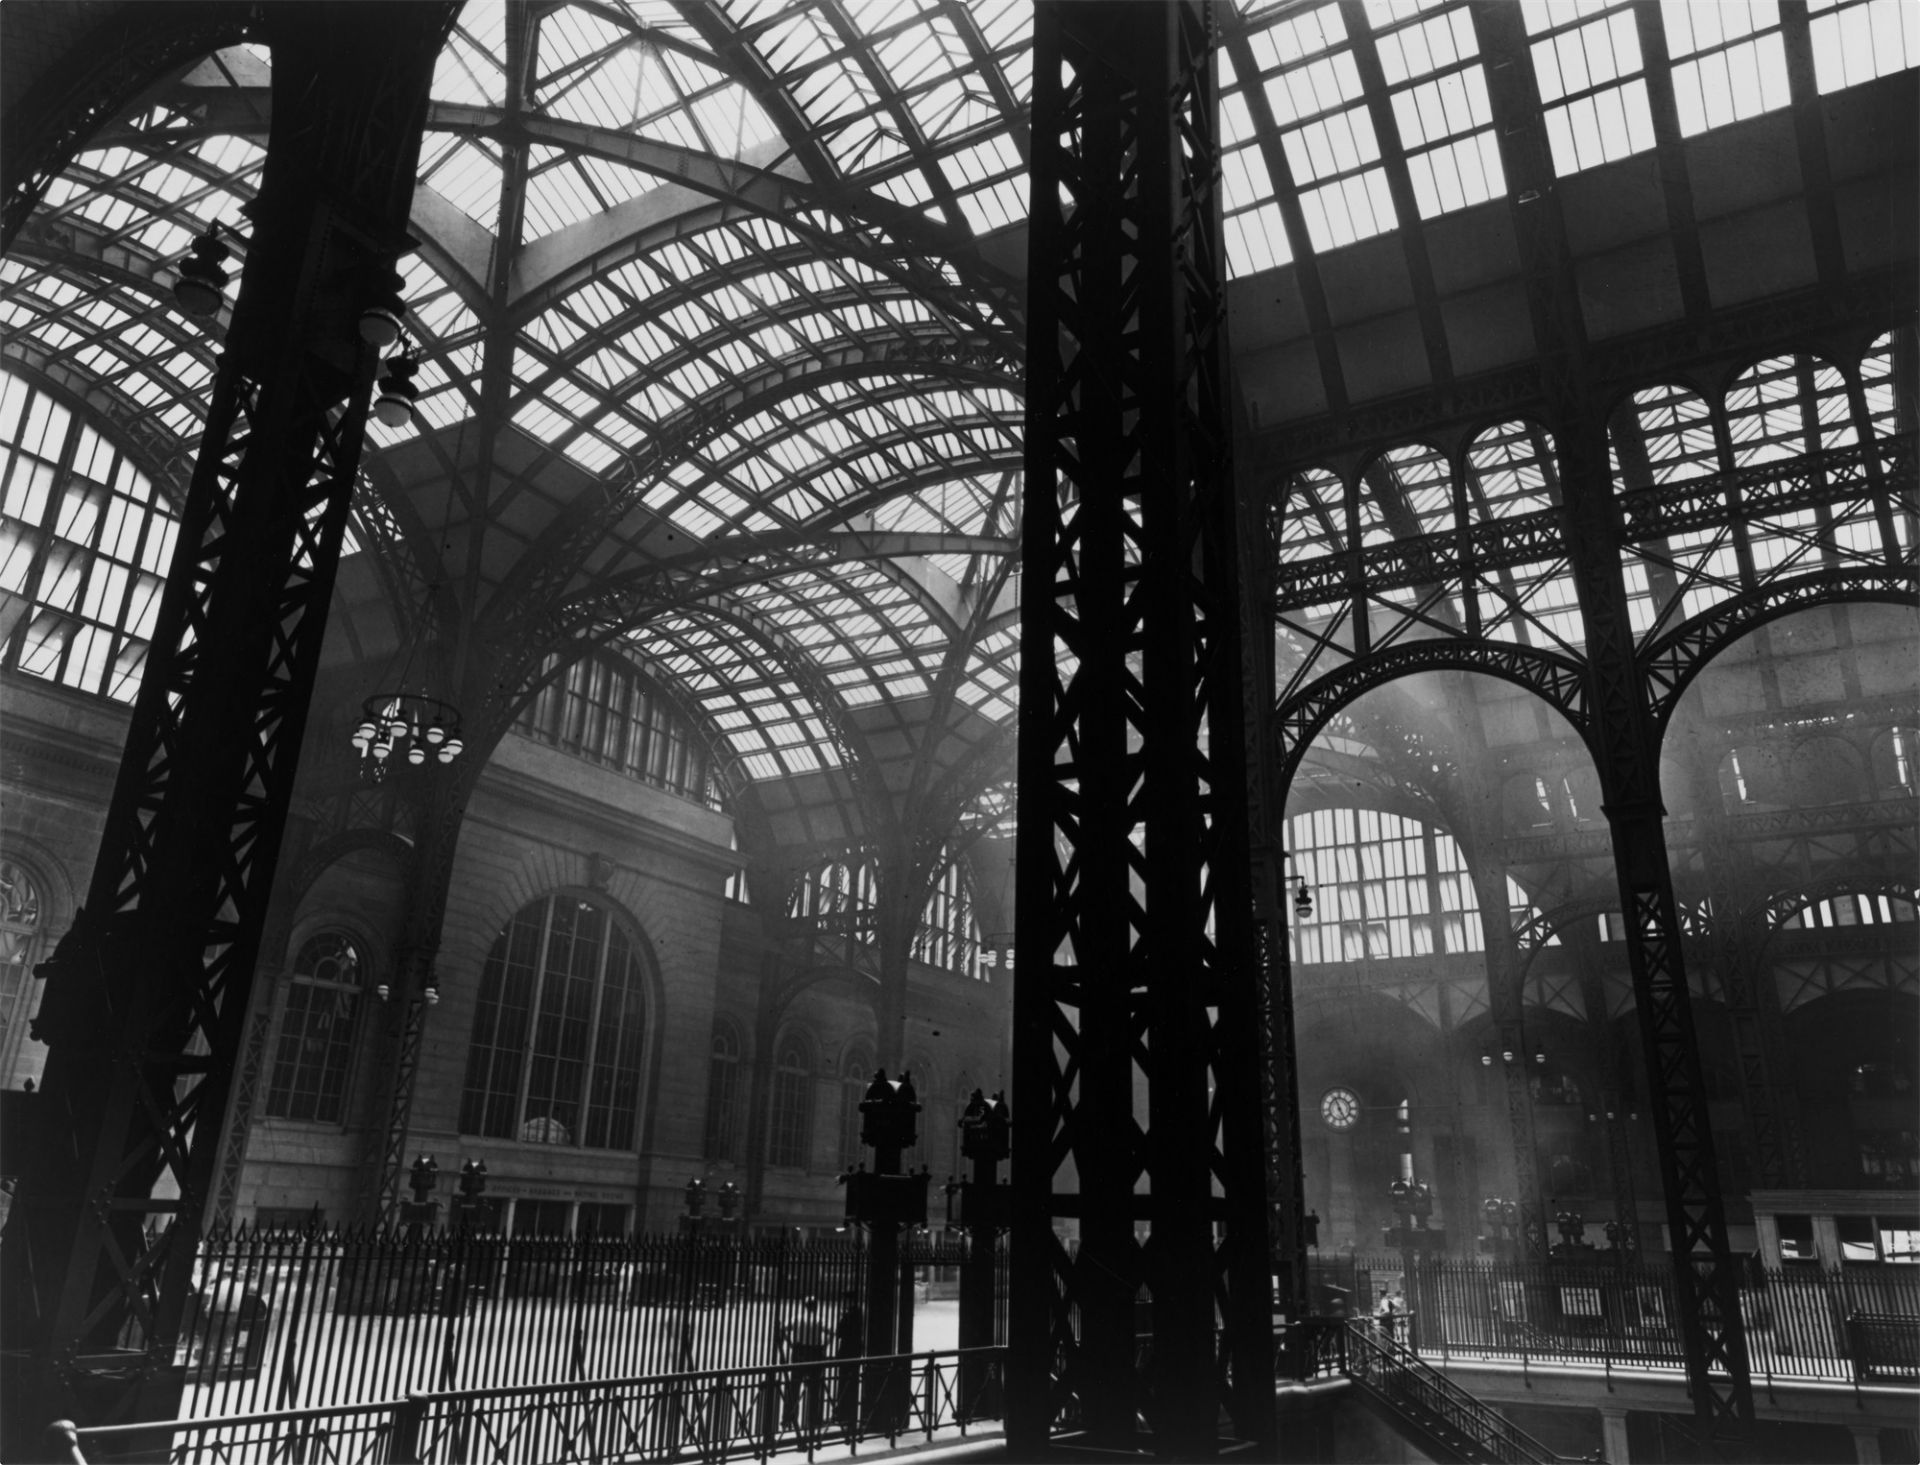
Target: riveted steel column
point(1136, 1041)
point(147, 996)
point(1625, 741)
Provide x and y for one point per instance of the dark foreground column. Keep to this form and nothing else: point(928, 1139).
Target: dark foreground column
point(147, 995)
point(1137, 1065)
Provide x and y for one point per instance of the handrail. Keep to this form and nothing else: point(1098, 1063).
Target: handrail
point(734, 1413)
point(1404, 1379)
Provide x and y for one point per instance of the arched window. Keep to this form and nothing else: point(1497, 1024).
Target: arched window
point(20, 928)
point(856, 1072)
point(1384, 886)
point(605, 711)
point(723, 1092)
point(316, 1033)
point(790, 1135)
point(556, 1040)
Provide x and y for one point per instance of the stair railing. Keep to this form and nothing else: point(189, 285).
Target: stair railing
point(1400, 1378)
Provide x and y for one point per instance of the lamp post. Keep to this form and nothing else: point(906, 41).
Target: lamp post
point(1572, 1245)
point(422, 1211)
point(473, 1185)
point(1503, 1227)
point(980, 1205)
point(1412, 1202)
point(884, 1201)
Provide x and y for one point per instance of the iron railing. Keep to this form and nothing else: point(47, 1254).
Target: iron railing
point(284, 1321)
point(1433, 1403)
point(1425, 1399)
point(832, 1406)
point(1615, 1313)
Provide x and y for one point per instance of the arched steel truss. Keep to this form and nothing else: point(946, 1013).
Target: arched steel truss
point(1560, 681)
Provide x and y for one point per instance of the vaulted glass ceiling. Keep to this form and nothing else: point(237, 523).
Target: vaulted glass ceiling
point(740, 284)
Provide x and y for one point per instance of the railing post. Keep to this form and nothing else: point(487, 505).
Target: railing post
point(62, 1442)
point(403, 1445)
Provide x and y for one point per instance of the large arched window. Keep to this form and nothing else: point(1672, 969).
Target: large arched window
point(316, 1033)
point(20, 916)
point(556, 1041)
point(790, 1134)
point(1384, 886)
point(723, 1092)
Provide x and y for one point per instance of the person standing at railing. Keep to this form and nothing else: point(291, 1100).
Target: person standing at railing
point(1389, 1315)
point(806, 1340)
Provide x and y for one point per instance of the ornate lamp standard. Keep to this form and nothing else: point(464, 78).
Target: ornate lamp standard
point(1412, 1202)
point(1503, 1228)
point(981, 1206)
point(885, 1201)
point(422, 1211)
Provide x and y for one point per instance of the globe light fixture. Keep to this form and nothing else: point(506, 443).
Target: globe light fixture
point(201, 286)
point(382, 317)
point(406, 727)
point(395, 392)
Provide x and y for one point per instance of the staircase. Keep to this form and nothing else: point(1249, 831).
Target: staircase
point(1431, 1411)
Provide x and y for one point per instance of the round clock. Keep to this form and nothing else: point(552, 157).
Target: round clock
point(1340, 1108)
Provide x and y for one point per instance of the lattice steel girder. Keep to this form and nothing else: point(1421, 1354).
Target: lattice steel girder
point(1706, 1280)
point(1698, 504)
point(1137, 1070)
point(1625, 742)
point(146, 997)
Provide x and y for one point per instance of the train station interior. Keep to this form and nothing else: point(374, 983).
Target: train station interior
point(525, 529)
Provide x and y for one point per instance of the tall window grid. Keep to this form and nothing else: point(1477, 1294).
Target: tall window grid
point(607, 713)
point(556, 1051)
point(723, 1094)
point(1438, 91)
point(85, 542)
point(1858, 40)
point(842, 894)
point(315, 1052)
point(1588, 66)
point(1384, 886)
point(790, 1132)
point(1306, 66)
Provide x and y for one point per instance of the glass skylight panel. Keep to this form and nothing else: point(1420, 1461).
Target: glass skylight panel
point(1785, 407)
point(991, 183)
point(1736, 78)
point(1297, 37)
point(1311, 518)
point(466, 173)
point(1507, 471)
point(1592, 71)
point(1858, 40)
point(1457, 175)
point(1593, 55)
point(556, 194)
point(1433, 45)
point(1383, 13)
point(1348, 210)
point(1319, 86)
point(471, 68)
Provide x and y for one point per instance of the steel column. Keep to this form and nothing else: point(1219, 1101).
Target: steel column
point(1625, 738)
point(1136, 1042)
point(147, 996)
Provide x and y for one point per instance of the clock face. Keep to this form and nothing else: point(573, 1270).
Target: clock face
point(1340, 1108)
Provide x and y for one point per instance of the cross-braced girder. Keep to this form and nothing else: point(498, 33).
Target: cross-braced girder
point(147, 997)
point(1136, 1019)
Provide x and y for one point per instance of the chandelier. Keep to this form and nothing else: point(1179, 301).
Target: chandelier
point(405, 727)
